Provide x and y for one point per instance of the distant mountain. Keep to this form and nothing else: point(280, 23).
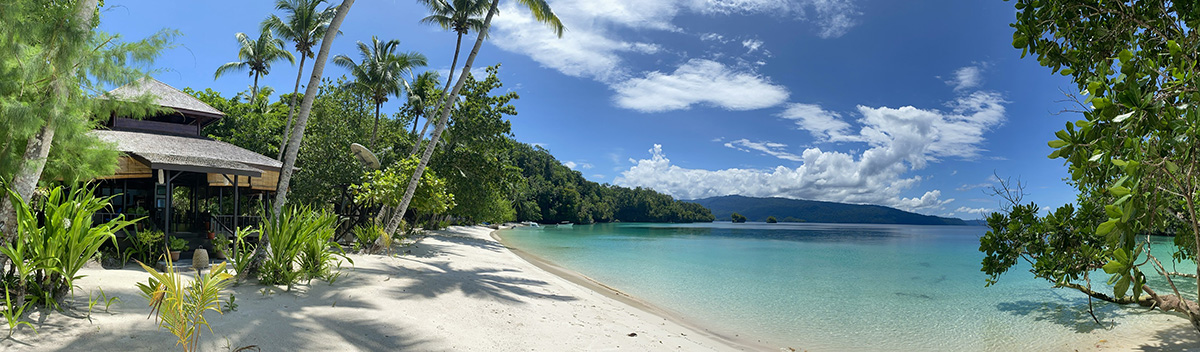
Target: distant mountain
point(796, 210)
point(976, 222)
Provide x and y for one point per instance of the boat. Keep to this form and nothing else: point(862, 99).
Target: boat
point(565, 224)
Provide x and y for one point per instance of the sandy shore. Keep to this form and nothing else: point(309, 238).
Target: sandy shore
point(455, 290)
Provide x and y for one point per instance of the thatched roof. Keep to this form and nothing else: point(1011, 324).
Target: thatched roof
point(166, 96)
point(190, 153)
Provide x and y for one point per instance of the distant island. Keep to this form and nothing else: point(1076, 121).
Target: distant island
point(797, 210)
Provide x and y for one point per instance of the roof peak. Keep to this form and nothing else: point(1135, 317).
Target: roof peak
point(165, 96)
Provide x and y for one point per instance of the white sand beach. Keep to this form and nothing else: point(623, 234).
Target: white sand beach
point(455, 290)
point(458, 290)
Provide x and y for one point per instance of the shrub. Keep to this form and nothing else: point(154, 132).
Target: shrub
point(146, 245)
point(47, 256)
point(299, 236)
point(368, 236)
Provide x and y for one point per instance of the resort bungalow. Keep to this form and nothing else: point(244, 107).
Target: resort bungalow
point(188, 186)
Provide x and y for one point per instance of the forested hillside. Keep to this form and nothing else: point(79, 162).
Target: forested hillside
point(797, 210)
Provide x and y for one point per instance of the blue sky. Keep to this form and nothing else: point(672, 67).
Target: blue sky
point(909, 104)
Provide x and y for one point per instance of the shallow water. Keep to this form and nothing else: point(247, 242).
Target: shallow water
point(823, 287)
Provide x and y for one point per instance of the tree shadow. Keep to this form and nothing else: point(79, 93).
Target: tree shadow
point(1178, 338)
point(442, 279)
point(1073, 314)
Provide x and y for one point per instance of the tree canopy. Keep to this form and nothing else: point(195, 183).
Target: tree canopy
point(1132, 156)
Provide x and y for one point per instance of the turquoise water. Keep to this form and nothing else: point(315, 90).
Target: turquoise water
point(830, 286)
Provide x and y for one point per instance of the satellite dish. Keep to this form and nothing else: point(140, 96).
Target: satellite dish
point(365, 156)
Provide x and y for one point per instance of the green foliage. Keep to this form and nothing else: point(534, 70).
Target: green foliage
point(771, 220)
point(252, 126)
point(738, 217)
point(48, 254)
point(553, 193)
point(300, 240)
point(13, 313)
point(386, 187)
point(180, 309)
point(380, 73)
point(474, 160)
point(239, 252)
point(1132, 156)
point(51, 72)
point(367, 235)
point(177, 244)
point(146, 245)
point(256, 56)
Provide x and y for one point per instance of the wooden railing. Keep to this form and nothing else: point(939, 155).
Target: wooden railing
point(225, 222)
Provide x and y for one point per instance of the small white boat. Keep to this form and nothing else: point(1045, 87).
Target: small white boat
point(565, 224)
point(530, 224)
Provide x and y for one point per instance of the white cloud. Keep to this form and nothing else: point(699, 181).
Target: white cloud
point(597, 46)
point(899, 141)
point(822, 124)
point(699, 82)
point(577, 166)
point(773, 149)
point(966, 78)
point(980, 212)
point(713, 37)
point(991, 181)
point(752, 44)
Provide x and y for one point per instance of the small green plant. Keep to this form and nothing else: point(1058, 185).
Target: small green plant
point(369, 238)
point(230, 305)
point(12, 315)
point(239, 252)
point(180, 309)
point(146, 245)
point(177, 244)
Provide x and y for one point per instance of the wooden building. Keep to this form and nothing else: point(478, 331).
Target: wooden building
point(188, 185)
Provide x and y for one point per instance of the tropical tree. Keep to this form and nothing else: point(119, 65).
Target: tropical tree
point(53, 67)
point(304, 26)
point(380, 73)
point(541, 12)
point(460, 16)
point(297, 134)
point(1133, 156)
point(421, 95)
point(257, 57)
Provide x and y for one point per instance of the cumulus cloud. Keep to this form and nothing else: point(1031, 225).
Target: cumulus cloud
point(981, 212)
point(699, 82)
point(899, 140)
point(777, 150)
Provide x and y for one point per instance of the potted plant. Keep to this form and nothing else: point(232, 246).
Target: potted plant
point(221, 245)
point(139, 212)
point(176, 245)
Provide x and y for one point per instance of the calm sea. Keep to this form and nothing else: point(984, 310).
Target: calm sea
point(823, 287)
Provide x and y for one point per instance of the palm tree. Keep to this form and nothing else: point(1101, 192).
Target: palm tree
point(297, 135)
point(460, 16)
point(541, 12)
point(380, 72)
point(257, 56)
point(421, 97)
point(304, 26)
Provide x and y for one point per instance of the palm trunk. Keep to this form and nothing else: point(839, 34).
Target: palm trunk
point(375, 130)
point(441, 124)
point(453, 63)
point(254, 89)
point(287, 130)
point(297, 135)
point(416, 119)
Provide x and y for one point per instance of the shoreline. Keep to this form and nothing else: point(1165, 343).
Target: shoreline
point(735, 342)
